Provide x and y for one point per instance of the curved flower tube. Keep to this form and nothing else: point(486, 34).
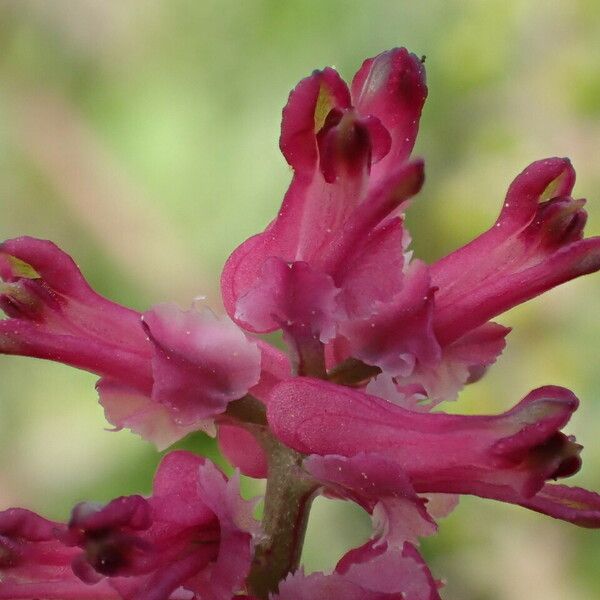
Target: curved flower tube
point(505, 457)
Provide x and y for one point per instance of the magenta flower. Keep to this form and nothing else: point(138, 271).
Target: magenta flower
point(376, 340)
point(505, 457)
point(163, 374)
point(193, 535)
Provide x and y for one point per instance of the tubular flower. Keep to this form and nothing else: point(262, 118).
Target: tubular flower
point(376, 339)
point(34, 564)
point(164, 373)
point(193, 534)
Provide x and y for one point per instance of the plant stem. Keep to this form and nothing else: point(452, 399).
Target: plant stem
point(287, 504)
point(352, 372)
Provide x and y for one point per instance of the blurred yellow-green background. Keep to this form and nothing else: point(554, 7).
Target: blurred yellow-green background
point(141, 136)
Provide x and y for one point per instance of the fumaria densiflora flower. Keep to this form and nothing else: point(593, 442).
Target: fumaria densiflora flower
point(376, 339)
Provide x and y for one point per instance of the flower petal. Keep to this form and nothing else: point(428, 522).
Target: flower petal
point(54, 314)
point(463, 361)
point(375, 273)
point(573, 504)
point(392, 88)
point(192, 536)
point(176, 496)
point(242, 450)
point(201, 362)
point(305, 112)
point(237, 528)
point(332, 155)
point(383, 569)
point(126, 407)
point(293, 297)
point(366, 573)
point(22, 338)
point(381, 488)
point(65, 302)
point(274, 367)
point(35, 564)
point(399, 333)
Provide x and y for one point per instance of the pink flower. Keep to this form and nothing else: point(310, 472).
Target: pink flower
point(506, 457)
point(54, 314)
point(376, 340)
point(535, 244)
point(34, 564)
point(164, 373)
point(337, 220)
point(333, 272)
point(193, 534)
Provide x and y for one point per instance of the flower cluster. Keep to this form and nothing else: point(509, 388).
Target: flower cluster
point(376, 339)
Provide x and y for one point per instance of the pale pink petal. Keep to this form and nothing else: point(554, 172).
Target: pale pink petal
point(399, 333)
point(381, 488)
point(441, 505)
point(201, 362)
point(237, 529)
point(125, 407)
point(366, 573)
point(410, 397)
point(387, 570)
point(464, 361)
point(318, 586)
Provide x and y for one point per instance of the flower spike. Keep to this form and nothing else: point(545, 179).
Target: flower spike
point(375, 338)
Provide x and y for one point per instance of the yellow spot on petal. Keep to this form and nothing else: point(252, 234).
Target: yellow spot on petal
point(323, 106)
point(22, 269)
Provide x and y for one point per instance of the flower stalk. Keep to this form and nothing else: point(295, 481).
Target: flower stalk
point(288, 500)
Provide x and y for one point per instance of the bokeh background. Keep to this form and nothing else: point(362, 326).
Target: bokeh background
point(141, 136)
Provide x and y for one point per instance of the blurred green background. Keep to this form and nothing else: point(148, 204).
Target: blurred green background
point(141, 136)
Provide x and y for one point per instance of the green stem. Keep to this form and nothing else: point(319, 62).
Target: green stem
point(352, 372)
point(287, 504)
